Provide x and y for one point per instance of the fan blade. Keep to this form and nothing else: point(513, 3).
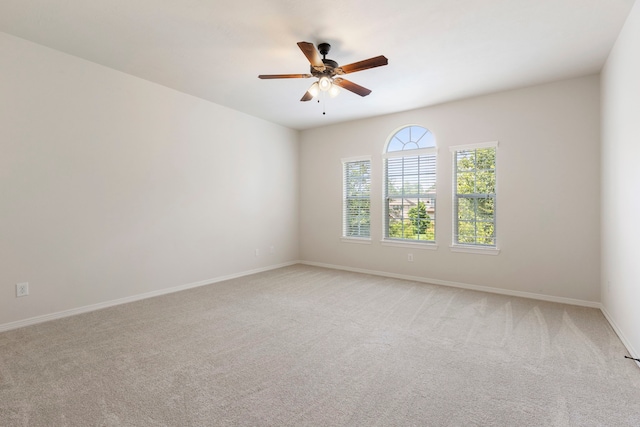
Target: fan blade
point(312, 55)
point(311, 92)
point(284, 76)
point(351, 86)
point(378, 61)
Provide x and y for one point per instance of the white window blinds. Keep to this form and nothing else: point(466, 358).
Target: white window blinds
point(411, 197)
point(410, 185)
point(357, 199)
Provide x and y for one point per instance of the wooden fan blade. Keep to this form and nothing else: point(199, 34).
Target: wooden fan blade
point(284, 76)
point(307, 97)
point(312, 55)
point(351, 86)
point(378, 61)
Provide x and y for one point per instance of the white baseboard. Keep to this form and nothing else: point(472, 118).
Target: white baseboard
point(530, 295)
point(93, 307)
point(550, 298)
point(621, 335)
point(99, 306)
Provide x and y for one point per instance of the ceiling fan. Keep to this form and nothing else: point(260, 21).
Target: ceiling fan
point(326, 70)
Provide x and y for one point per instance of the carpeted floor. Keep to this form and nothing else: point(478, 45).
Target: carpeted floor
point(306, 346)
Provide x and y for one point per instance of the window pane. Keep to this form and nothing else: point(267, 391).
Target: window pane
point(427, 140)
point(420, 219)
point(486, 158)
point(395, 145)
point(466, 182)
point(486, 207)
point(394, 187)
point(358, 222)
point(475, 202)
point(466, 209)
point(466, 232)
point(395, 228)
point(410, 185)
point(485, 182)
point(411, 138)
point(403, 135)
point(465, 160)
point(486, 234)
point(417, 133)
point(356, 203)
point(410, 165)
point(394, 166)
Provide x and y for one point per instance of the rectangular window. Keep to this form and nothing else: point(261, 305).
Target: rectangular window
point(410, 195)
point(356, 198)
point(475, 195)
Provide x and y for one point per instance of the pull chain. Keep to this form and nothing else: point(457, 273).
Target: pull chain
point(323, 95)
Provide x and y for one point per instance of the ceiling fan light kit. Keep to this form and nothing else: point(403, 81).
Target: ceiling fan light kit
point(325, 70)
point(325, 83)
point(314, 89)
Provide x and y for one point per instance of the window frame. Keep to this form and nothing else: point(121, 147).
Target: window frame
point(416, 152)
point(345, 198)
point(477, 248)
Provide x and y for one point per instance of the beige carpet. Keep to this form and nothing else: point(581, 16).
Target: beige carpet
point(306, 346)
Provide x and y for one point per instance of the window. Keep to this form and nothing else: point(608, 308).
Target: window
point(474, 203)
point(356, 202)
point(410, 186)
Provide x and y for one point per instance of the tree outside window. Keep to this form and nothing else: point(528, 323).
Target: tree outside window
point(475, 196)
point(410, 185)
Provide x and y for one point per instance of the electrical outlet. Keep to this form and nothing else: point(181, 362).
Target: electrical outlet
point(22, 289)
point(410, 257)
point(272, 249)
point(257, 252)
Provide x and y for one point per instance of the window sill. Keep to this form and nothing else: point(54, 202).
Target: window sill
point(356, 240)
point(475, 249)
point(400, 244)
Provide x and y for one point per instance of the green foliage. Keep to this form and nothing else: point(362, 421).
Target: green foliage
point(417, 225)
point(419, 218)
point(358, 217)
point(473, 232)
point(476, 171)
point(358, 205)
point(476, 186)
point(402, 229)
point(409, 180)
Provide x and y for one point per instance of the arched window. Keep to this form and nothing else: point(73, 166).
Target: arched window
point(410, 185)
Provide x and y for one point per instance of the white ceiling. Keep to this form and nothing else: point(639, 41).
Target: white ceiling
point(438, 50)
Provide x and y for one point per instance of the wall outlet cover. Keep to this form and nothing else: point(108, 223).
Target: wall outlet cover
point(22, 289)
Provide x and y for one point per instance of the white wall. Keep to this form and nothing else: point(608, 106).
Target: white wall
point(548, 191)
point(111, 186)
point(621, 183)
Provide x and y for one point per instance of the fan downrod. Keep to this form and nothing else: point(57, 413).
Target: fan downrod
point(330, 64)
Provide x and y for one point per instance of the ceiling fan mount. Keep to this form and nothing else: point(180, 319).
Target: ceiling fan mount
point(326, 70)
point(324, 48)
